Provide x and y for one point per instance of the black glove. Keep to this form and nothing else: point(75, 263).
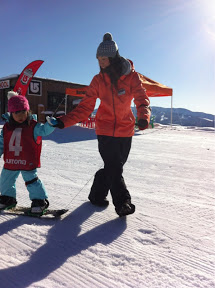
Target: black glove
point(55, 122)
point(60, 124)
point(142, 124)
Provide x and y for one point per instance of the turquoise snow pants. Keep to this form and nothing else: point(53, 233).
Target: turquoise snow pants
point(8, 184)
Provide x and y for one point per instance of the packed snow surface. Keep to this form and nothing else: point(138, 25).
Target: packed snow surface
point(168, 242)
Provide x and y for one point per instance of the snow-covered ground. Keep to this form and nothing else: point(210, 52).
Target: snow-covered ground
point(168, 242)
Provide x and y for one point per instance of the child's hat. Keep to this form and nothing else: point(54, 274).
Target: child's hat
point(17, 102)
point(107, 48)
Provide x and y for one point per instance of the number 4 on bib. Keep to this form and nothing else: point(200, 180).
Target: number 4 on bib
point(15, 141)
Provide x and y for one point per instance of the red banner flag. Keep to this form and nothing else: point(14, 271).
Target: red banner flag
point(25, 77)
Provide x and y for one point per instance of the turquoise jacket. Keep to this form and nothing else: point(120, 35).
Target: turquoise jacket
point(39, 130)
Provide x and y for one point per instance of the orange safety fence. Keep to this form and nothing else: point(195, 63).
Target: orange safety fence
point(88, 123)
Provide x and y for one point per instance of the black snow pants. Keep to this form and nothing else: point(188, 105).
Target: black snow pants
point(114, 152)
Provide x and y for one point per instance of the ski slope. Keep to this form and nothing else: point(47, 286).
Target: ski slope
point(168, 242)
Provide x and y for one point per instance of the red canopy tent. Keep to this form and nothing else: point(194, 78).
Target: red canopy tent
point(153, 89)
point(156, 89)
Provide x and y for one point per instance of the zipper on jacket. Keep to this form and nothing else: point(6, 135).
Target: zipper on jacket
point(113, 110)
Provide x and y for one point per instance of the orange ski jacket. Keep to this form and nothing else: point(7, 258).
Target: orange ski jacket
point(114, 116)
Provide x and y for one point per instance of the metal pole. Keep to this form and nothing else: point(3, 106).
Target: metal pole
point(65, 104)
point(171, 109)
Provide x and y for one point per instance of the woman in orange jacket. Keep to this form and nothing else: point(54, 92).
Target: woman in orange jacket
point(116, 85)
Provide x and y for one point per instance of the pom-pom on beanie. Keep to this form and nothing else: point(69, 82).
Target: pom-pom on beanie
point(107, 48)
point(11, 94)
point(17, 102)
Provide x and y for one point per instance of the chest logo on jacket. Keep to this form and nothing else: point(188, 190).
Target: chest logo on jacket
point(121, 92)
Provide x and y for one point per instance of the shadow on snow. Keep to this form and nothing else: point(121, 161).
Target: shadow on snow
point(75, 134)
point(71, 134)
point(62, 242)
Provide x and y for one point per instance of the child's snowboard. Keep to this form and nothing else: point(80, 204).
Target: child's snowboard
point(26, 211)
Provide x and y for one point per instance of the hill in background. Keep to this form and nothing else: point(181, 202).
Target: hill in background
point(180, 116)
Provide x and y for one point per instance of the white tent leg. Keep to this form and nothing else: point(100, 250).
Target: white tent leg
point(65, 104)
point(171, 109)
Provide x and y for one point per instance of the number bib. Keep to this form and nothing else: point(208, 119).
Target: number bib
point(21, 152)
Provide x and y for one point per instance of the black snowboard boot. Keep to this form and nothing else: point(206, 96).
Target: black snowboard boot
point(126, 209)
point(7, 202)
point(39, 205)
point(100, 203)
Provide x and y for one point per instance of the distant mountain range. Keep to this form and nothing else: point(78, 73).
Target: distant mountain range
point(183, 117)
point(180, 116)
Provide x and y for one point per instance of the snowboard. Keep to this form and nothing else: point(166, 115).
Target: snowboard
point(26, 211)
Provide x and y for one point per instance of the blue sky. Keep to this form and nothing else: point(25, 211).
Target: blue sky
point(169, 41)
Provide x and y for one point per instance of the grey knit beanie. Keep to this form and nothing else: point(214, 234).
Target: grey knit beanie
point(107, 48)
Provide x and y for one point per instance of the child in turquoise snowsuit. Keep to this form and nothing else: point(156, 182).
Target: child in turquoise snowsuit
point(22, 157)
